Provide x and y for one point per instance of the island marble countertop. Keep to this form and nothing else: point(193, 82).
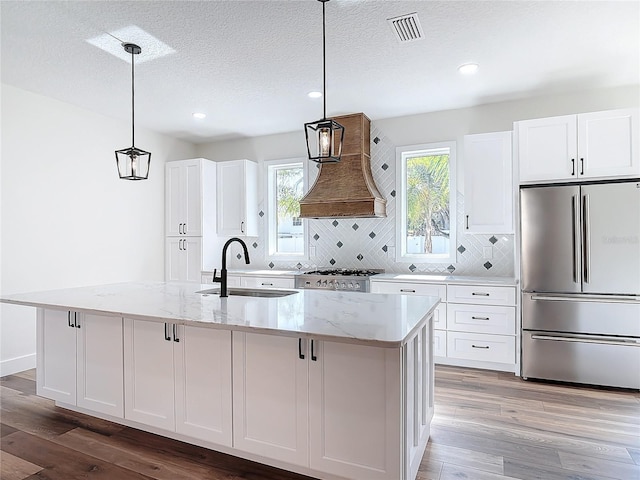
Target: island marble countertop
point(379, 319)
point(450, 279)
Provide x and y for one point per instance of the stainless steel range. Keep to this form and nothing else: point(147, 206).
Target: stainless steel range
point(354, 280)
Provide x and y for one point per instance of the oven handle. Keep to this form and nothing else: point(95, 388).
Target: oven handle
point(587, 339)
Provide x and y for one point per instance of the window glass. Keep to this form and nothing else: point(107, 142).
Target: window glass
point(426, 223)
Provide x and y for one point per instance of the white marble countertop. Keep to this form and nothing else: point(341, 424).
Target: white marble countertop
point(380, 319)
point(449, 279)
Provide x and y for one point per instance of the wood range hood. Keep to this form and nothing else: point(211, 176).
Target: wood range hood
point(346, 188)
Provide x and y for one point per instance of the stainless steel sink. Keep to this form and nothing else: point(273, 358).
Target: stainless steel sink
point(249, 292)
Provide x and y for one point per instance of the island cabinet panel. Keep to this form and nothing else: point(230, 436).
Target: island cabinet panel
point(354, 411)
point(270, 396)
point(148, 373)
point(178, 378)
point(203, 384)
point(80, 360)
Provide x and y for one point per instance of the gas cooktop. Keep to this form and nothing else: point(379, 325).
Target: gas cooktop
point(356, 280)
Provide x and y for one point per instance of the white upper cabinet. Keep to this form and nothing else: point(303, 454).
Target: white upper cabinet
point(583, 146)
point(488, 183)
point(184, 198)
point(238, 198)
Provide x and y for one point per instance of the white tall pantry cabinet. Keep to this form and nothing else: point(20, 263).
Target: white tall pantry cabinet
point(190, 219)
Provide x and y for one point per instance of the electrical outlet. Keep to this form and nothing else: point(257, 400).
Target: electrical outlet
point(487, 252)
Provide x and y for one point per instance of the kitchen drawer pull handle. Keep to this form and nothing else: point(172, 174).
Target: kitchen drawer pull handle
point(267, 284)
point(300, 354)
point(313, 357)
point(582, 339)
point(481, 346)
point(467, 222)
point(180, 228)
point(408, 290)
point(167, 337)
point(69, 319)
point(573, 166)
point(184, 244)
point(242, 227)
point(175, 333)
point(75, 320)
point(480, 294)
point(184, 228)
point(480, 318)
point(582, 166)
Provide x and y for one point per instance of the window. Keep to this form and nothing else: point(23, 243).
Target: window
point(426, 219)
point(285, 187)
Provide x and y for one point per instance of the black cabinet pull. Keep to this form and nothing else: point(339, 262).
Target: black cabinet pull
point(467, 222)
point(582, 166)
point(167, 337)
point(175, 333)
point(313, 357)
point(75, 320)
point(69, 319)
point(300, 354)
point(479, 346)
point(480, 294)
point(573, 166)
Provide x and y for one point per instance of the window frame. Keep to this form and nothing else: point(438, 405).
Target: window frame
point(408, 151)
point(270, 167)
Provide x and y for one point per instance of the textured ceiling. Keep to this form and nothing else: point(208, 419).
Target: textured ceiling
point(250, 64)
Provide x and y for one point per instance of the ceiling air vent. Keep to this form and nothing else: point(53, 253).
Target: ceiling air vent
point(406, 27)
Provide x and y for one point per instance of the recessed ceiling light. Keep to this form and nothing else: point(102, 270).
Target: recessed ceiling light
point(468, 68)
point(199, 115)
point(314, 94)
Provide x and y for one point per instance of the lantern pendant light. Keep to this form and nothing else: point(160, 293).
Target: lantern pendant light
point(325, 136)
point(133, 163)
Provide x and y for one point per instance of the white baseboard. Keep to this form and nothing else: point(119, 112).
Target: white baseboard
point(18, 364)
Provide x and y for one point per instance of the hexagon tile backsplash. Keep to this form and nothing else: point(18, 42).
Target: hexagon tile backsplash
point(370, 242)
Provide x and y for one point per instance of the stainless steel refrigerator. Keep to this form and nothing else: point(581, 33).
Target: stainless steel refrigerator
point(580, 266)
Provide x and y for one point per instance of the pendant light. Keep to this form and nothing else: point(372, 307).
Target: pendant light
point(325, 136)
point(133, 163)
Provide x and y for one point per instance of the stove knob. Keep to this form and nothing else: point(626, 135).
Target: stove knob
point(318, 283)
point(344, 285)
point(331, 283)
point(357, 286)
point(350, 285)
point(324, 284)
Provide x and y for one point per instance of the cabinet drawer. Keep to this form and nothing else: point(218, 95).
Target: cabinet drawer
point(266, 282)
point(440, 343)
point(481, 318)
point(481, 347)
point(481, 294)
point(433, 290)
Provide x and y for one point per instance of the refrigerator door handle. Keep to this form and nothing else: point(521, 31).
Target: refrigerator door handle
point(586, 298)
point(575, 230)
point(587, 339)
point(586, 260)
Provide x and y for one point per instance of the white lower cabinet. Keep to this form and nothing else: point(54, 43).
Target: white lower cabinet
point(178, 378)
point(79, 360)
point(183, 261)
point(332, 407)
point(481, 347)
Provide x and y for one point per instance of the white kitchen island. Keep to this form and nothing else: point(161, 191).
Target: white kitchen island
point(329, 384)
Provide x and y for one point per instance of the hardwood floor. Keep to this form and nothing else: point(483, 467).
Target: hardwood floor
point(487, 426)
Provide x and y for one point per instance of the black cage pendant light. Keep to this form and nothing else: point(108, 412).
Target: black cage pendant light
point(133, 163)
point(325, 136)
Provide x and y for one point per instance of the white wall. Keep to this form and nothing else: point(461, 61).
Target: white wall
point(436, 126)
point(66, 218)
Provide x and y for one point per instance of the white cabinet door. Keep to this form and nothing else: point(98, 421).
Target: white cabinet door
point(354, 411)
point(270, 397)
point(547, 149)
point(100, 364)
point(183, 261)
point(56, 359)
point(488, 183)
point(148, 373)
point(608, 143)
point(203, 384)
point(183, 196)
point(252, 281)
point(237, 198)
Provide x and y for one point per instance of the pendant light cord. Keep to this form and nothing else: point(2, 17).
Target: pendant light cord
point(324, 66)
point(133, 128)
